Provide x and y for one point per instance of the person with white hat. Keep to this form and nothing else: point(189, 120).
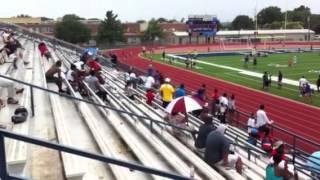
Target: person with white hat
point(166, 92)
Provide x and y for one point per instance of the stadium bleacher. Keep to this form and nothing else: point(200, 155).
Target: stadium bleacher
point(109, 132)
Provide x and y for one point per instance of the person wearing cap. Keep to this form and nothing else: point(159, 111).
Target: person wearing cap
point(166, 92)
point(218, 150)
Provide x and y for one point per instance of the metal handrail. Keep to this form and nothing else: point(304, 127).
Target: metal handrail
point(92, 103)
point(67, 149)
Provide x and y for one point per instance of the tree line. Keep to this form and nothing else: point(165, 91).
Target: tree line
point(273, 18)
point(110, 30)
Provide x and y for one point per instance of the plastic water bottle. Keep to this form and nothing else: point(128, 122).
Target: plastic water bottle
point(192, 172)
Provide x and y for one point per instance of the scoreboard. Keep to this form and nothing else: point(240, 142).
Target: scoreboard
point(205, 25)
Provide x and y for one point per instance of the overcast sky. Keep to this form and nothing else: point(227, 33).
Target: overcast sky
point(132, 10)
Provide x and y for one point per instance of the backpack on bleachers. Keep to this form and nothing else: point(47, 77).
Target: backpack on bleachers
point(20, 115)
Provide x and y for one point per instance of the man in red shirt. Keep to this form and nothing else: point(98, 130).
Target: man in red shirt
point(215, 101)
point(150, 97)
point(94, 65)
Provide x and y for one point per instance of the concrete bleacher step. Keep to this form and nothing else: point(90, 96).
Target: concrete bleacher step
point(140, 150)
point(72, 168)
point(229, 173)
point(17, 150)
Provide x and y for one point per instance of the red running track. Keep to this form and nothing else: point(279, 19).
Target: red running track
point(298, 118)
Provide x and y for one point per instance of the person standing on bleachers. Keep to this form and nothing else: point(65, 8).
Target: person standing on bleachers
point(218, 150)
point(55, 69)
point(180, 91)
point(262, 120)
point(166, 92)
point(149, 82)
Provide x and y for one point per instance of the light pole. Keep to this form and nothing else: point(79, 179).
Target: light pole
point(309, 38)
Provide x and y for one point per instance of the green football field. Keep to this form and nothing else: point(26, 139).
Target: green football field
point(308, 64)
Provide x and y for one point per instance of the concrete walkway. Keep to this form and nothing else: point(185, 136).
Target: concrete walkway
point(246, 72)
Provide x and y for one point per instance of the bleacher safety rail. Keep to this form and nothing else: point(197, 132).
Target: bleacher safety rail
point(71, 150)
point(296, 140)
point(240, 117)
point(61, 148)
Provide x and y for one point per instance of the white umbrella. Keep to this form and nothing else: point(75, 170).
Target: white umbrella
point(183, 104)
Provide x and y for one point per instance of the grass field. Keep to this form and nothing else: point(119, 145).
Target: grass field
point(308, 65)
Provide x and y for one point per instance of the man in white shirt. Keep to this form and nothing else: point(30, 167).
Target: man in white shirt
point(262, 119)
point(302, 82)
point(149, 82)
point(224, 100)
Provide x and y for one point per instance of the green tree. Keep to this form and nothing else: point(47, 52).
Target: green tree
point(72, 30)
point(110, 30)
point(315, 23)
point(302, 14)
point(242, 22)
point(153, 31)
point(269, 15)
point(70, 17)
point(281, 25)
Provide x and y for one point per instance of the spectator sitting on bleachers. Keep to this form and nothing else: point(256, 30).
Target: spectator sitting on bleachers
point(218, 150)
point(73, 77)
point(279, 149)
point(94, 85)
point(252, 130)
point(55, 69)
point(279, 170)
point(204, 130)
